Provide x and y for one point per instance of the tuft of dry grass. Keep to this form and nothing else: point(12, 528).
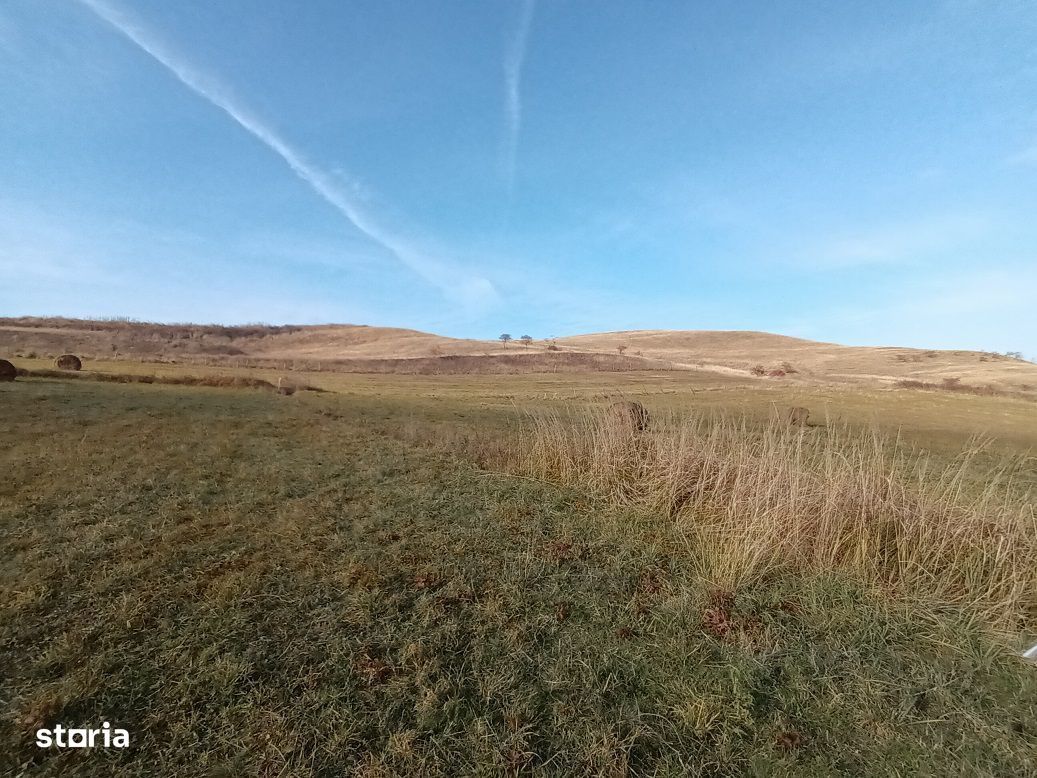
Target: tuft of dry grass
point(754, 500)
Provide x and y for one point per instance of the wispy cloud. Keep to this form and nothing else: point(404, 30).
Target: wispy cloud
point(78, 262)
point(901, 242)
point(1027, 156)
point(514, 57)
point(454, 282)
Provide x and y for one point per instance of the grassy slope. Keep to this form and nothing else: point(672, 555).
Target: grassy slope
point(724, 352)
point(274, 586)
point(741, 350)
point(928, 418)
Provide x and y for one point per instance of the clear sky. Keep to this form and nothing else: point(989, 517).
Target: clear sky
point(863, 173)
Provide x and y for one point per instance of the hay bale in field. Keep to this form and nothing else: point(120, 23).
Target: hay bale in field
point(629, 414)
point(8, 372)
point(797, 417)
point(68, 362)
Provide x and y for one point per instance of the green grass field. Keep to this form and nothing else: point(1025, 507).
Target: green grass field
point(338, 583)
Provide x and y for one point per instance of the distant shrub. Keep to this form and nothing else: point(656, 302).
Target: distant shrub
point(758, 370)
point(788, 368)
point(912, 357)
point(223, 349)
point(552, 347)
point(954, 385)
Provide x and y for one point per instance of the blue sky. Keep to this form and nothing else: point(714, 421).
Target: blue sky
point(860, 173)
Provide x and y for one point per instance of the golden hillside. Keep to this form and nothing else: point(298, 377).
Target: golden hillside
point(386, 349)
point(741, 350)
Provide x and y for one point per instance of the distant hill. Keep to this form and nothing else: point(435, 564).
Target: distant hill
point(358, 348)
point(742, 350)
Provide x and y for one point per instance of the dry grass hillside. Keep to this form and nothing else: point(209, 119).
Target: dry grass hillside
point(741, 351)
point(356, 348)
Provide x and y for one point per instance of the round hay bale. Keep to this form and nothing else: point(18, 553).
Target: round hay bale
point(630, 414)
point(8, 372)
point(798, 416)
point(69, 362)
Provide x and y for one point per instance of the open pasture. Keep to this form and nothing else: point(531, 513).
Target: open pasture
point(365, 580)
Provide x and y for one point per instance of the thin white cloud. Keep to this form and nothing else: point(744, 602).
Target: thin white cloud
point(980, 309)
point(452, 281)
point(900, 242)
point(45, 252)
point(1025, 157)
point(514, 57)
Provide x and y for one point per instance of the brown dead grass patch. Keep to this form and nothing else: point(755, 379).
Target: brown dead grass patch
point(752, 500)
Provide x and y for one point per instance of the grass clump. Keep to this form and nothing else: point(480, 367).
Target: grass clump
point(752, 500)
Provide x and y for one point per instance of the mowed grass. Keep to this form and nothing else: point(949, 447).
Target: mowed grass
point(260, 585)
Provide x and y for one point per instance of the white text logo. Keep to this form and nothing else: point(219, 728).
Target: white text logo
point(65, 737)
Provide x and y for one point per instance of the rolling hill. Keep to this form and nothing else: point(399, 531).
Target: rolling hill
point(358, 348)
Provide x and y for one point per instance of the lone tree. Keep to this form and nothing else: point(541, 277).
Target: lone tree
point(526, 340)
point(504, 339)
point(621, 348)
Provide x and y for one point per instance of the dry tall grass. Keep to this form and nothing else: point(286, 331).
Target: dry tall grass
point(753, 500)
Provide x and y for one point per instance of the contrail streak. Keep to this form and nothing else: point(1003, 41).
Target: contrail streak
point(513, 59)
point(450, 280)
